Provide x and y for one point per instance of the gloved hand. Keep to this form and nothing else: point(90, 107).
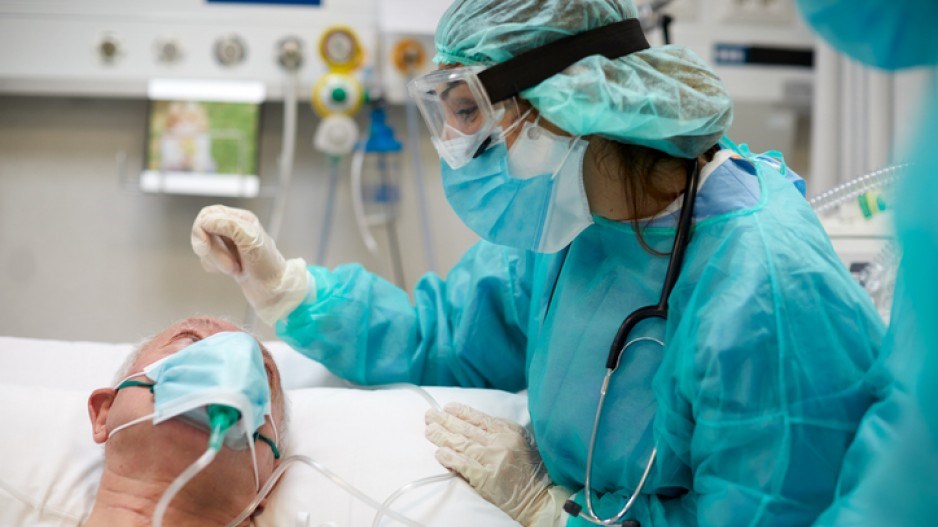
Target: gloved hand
point(498, 458)
point(232, 241)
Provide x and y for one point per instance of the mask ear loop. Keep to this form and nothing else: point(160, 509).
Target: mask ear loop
point(257, 477)
point(517, 122)
point(127, 378)
point(129, 424)
point(257, 474)
point(276, 432)
point(566, 156)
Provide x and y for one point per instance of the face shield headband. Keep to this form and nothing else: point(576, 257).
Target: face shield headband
point(464, 106)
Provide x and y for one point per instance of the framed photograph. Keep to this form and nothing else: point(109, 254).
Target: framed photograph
point(202, 138)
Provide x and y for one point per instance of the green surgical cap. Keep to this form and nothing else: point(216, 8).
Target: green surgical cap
point(666, 98)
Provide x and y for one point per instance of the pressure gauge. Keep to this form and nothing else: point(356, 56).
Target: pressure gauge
point(336, 93)
point(408, 56)
point(341, 49)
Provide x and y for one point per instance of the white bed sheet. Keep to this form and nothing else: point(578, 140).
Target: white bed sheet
point(50, 467)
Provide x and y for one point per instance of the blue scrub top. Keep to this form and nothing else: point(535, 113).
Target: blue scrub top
point(751, 403)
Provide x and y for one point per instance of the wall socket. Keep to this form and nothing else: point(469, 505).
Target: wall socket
point(766, 11)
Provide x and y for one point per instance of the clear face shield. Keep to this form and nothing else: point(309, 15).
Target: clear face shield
point(465, 107)
point(462, 120)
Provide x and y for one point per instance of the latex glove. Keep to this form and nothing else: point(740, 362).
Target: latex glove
point(498, 458)
point(232, 241)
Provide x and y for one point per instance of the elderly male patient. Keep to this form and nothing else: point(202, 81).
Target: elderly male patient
point(140, 461)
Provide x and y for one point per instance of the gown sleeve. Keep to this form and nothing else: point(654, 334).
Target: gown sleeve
point(467, 330)
point(768, 379)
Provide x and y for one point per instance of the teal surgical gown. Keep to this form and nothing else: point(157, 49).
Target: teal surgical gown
point(751, 403)
point(890, 474)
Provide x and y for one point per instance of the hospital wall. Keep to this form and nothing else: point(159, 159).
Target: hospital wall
point(85, 256)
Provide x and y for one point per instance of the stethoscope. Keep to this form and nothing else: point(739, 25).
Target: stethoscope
point(621, 343)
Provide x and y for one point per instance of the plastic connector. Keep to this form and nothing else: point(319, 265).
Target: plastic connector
point(220, 418)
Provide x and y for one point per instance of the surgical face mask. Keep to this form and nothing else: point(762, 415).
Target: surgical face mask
point(225, 369)
point(455, 146)
point(531, 197)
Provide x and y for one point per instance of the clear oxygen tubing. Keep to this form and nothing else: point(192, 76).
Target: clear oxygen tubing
point(382, 509)
point(335, 478)
point(413, 144)
point(851, 189)
point(222, 418)
point(386, 506)
point(180, 482)
point(402, 385)
point(287, 154)
point(328, 214)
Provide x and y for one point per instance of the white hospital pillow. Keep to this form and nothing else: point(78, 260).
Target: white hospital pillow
point(60, 364)
point(375, 440)
point(299, 371)
point(50, 467)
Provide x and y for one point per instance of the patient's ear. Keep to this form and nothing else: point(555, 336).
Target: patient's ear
point(99, 404)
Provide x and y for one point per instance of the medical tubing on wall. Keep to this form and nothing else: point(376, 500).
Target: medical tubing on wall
point(394, 255)
point(180, 482)
point(852, 189)
point(286, 155)
point(358, 205)
point(386, 506)
point(328, 210)
point(286, 173)
point(413, 143)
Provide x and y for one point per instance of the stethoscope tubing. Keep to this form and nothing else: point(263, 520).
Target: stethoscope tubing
point(678, 249)
point(620, 343)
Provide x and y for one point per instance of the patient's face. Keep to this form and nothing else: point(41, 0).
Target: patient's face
point(163, 451)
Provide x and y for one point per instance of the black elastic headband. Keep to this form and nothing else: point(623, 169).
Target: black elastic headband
point(531, 68)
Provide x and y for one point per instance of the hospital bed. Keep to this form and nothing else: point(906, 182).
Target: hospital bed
point(50, 467)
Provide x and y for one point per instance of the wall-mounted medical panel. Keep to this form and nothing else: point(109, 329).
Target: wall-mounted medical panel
point(114, 47)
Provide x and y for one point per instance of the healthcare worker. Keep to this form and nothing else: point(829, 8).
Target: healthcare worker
point(593, 168)
point(890, 474)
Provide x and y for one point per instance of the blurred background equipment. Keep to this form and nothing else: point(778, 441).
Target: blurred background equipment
point(101, 176)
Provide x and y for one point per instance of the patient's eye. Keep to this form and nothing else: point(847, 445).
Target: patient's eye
point(190, 337)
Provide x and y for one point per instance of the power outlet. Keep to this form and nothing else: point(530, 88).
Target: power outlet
point(765, 11)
